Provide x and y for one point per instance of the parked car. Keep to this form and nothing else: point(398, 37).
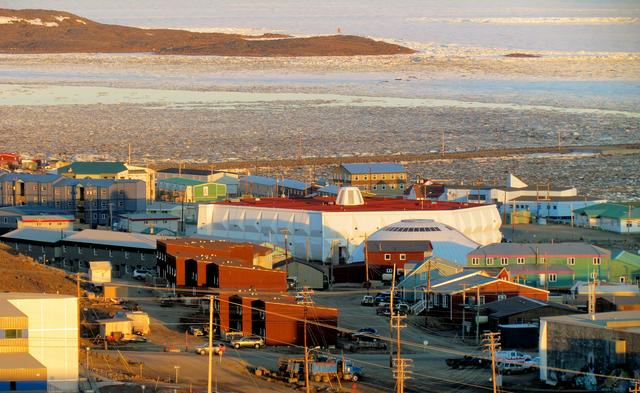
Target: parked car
point(248, 341)
point(511, 367)
point(466, 361)
point(533, 364)
point(368, 330)
point(230, 336)
point(367, 300)
point(140, 274)
point(203, 349)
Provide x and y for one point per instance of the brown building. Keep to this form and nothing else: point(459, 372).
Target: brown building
point(276, 318)
point(218, 264)
point(396, 252)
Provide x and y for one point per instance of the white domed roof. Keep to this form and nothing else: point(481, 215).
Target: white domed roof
point(448, 243)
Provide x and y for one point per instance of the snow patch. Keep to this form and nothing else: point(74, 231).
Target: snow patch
point(5, 20)
point(60, 18)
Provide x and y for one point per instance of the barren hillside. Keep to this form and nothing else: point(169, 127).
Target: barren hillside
point(46, 31)
point(19, 273)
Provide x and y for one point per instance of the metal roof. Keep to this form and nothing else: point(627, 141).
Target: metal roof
point(541, 249)
point(37, 235)
point(186, 171)
point(378, 167)
point(519, 304)
point(30, 177)
point(270, 181)
point(399, 246)
point(611, 210)
point(20, 360)
point(93, 167)
point(451, 287)
point(117, 239)
point(604, 320)
point(626, 257)
point(447, 242)
point(181, 181)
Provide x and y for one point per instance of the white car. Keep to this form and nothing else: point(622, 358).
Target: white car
point(203, 349)
point(512, 355)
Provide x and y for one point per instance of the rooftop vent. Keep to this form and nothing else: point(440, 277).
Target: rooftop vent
point(349, 196)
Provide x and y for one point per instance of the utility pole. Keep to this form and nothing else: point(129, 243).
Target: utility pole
point(477, 314)
point(306, 302)
point(635, 388)
point(442, 147)
point(80, 316)
point(210, 369)
point(366, 263)
point(464, 306)
point(393, 289)
point(491, 342)
point(400, 364)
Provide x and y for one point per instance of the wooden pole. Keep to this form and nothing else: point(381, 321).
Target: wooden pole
point(464, 304)
point(393, 289)
point(477, 314)
point(306, 354)
point(366, 261)
point(79, 311)
point(210, 366)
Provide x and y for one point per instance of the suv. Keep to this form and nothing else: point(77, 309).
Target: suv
point(367, 300)
point(248, 341)
point(512, 367)
point(141, 274)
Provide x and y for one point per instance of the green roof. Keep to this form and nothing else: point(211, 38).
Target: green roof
point(626, 257)
point(183, 182)
point(612, 210)
point(93, 167)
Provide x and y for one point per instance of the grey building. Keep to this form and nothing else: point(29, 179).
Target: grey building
point(43, 245)
point(595, 344)
point(8, 221)
point(91, 201)
point(262, 186)
point(125, 251)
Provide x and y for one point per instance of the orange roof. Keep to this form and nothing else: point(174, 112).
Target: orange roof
point(327, 204)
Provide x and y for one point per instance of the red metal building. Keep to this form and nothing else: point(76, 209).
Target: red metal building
point(276, 318)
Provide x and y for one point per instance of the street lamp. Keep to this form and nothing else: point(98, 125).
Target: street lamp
point(88, 349)
point(285, 232)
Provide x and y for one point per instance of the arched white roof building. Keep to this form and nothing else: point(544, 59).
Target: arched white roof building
point(448, 243)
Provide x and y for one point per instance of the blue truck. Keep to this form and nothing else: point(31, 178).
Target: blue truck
point(321, 369)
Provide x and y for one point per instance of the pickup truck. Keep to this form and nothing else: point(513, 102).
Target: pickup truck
point(364, 341)
point(323, 369)
point(467, 361)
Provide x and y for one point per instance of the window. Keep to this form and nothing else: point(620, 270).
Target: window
point(571, 261)
point(374, 177)
point(622, 279)
point(95, 251)
point(126, 255)
point(596, 260)
point(13, 333)
point(520, 261)
point(475, 261)
point(374, 187)
point(142, 256)
point(445, 301)
point(489, 261)
point(384, 187)
point(502, 297)
point(594, 275)
point(384, 177)
point(387, 257)
point(64, 248)
point(553, 277)
point(403, 257)
point(356, 178)
point(504, 261)
point(110, 253)
point(29, 247)
point(482, 299)
point(401, 186)
point(79, 250)
point(543, 260)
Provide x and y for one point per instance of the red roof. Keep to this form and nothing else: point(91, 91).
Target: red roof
point(327, 204)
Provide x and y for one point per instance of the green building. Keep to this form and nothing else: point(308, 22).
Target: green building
point(552, 266)
point(209, 192)
point(625, 267)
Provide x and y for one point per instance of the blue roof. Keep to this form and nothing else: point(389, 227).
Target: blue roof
point(93, 167)
point(46, 178)
point(376, 167)
point(332, 189)
point(270, 181)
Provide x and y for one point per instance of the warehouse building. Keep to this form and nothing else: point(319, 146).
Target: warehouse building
point(322, 228)
point(279, 319)
point(39, 341)
point(262, 186)
point(43, 245)
point(194, 262)
point(598, 344)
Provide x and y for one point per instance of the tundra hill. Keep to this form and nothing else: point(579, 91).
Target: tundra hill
point(19, 273)
point(46, 31)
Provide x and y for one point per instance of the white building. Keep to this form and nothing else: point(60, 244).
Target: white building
point(149, 223)
point(554, 208)
point(448, 243)
point(513, 188)
point(318, 228)
point(40, 331)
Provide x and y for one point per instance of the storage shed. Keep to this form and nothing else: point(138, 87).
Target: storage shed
point(100, 272)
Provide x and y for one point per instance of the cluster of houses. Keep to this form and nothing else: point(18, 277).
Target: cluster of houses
point(443, 240)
